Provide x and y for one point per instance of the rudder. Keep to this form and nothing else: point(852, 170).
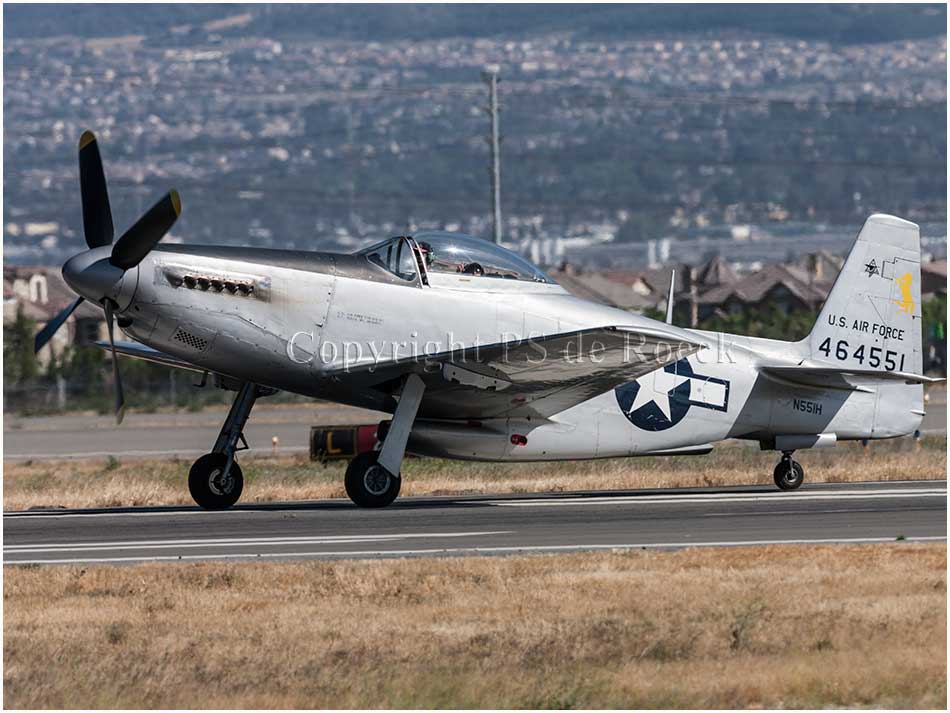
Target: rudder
point(871, 319)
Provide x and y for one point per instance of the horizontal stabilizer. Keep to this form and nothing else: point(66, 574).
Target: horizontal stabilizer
point(836, 378)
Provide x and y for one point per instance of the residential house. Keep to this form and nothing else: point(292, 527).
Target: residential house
point(933, 279)
point(41, 292)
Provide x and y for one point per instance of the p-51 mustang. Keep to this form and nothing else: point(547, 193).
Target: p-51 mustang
point(480, 356)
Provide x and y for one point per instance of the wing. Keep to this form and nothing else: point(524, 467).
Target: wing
point(140, 351)
point(534, 377)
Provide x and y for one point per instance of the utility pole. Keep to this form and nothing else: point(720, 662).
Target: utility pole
point(491, 79)
point(693, 297)
point(141, 153)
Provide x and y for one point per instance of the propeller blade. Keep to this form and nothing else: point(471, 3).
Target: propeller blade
point(96, 214)
point(137, 241)
point(108, 306)
point(47, 332)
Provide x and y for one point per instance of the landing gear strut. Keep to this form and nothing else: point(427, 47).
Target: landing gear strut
point(788, 474)
point(215, 479)
point(373, 479)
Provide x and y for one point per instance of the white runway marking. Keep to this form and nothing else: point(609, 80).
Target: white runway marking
point(233, 542)
point(476, 550)
point(143, 454)
point(725, 497)
point(664, 499)
point(169, 511)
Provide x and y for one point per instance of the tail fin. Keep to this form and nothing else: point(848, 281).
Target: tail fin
point(871, 319)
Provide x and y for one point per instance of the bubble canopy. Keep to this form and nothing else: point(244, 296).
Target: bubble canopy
point(461, 254)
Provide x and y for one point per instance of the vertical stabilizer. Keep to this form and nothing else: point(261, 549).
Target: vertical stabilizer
point(871, 319)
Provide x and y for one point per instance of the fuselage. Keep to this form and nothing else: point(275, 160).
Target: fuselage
point(293, 320)
point(451, 334)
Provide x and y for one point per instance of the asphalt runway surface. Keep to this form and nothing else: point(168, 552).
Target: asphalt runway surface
point(168, 435)
point(189, 435)
point(487, 525)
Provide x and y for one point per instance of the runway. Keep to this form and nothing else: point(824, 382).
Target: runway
point(489, 525)
point(189, 435)
point(161, 435)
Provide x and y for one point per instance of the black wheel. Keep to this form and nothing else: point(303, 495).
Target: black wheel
point(208, 485)
point(368, 484)
point(788, 474)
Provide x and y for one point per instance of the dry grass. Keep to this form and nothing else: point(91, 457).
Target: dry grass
point(106, 483)
point(772, 626)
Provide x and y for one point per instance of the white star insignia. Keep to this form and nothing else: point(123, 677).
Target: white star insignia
point(658, 392)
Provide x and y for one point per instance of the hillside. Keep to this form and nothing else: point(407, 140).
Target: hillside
point(837, 23)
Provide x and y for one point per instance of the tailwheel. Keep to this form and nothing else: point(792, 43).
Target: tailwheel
point(788, 474)
point(368, 484)
point(213, 488)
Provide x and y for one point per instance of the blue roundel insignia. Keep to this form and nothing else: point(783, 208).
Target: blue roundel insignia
point(662, 407)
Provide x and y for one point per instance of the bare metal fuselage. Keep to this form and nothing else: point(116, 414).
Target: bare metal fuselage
point(478, 355)
point(294, 320)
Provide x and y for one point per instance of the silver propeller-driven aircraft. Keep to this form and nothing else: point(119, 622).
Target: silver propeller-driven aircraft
point(480, 356)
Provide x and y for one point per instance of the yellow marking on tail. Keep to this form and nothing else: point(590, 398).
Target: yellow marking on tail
point(906, 302)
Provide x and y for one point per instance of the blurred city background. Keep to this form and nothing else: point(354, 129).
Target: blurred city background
point(742, 146)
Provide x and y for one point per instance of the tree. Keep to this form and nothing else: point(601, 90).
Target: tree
point(770, 322)
point(83, 368)
point(643, 226)
point(19, 363)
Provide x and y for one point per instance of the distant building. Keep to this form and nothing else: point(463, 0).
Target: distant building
point(602, 288)
point(783, 286)
point(933, 279)
point(715, 286)
point(41, 293)
point(715, 273)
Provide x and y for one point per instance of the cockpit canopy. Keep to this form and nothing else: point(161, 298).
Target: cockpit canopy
point(453, 253)
point(394, 255)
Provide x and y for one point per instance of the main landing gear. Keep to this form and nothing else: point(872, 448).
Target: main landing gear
point(215, 479)
point(788, 474)
point(368, 484)
point(373, 478)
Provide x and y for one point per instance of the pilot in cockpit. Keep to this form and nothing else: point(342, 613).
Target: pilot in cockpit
point(426, 250)
point(472, 268)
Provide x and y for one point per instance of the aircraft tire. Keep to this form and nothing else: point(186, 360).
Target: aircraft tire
point(368, 484)
point(207, 487)
point(788, 474)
